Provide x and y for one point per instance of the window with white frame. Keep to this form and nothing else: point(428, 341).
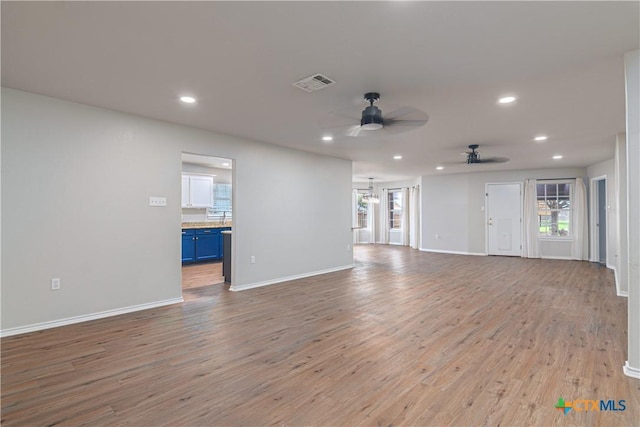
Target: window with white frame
point(554, 208)
point(395, 209)
point(221, 202)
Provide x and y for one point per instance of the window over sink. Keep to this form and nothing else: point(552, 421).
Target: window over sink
point(222, 202)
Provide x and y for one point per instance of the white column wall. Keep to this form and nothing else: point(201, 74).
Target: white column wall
point(632, 79)
point(620, 159)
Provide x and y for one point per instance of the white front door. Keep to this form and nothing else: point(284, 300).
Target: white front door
point(504, 219)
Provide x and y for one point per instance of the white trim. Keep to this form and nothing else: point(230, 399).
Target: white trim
point(86, 317)
point(564, 258)
point(630, 372)
point(237, 288)
point(555, 239)
point(617, 281)
point(441, 251)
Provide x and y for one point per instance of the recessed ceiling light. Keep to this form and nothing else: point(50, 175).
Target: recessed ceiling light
point(440, 168)
point(226, 164)
point(327, 138)
point(397, 157)
point(557, 157)
point(507, 99)
point(540, 138)
point(188, 99)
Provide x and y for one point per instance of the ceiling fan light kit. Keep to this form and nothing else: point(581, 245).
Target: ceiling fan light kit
point(473, 156)
point(372, 115)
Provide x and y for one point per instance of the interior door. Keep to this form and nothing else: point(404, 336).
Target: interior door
point(504, 219)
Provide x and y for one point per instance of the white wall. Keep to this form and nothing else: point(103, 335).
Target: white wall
point(632, 84)
point(446, 213)
point(620, 164)
point(453, 209)
point(76, 182)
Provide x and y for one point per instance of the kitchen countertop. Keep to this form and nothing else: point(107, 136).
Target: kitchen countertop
point(192, 225)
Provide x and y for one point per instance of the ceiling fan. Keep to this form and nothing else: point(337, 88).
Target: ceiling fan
point(473, 157)
point(371, 119)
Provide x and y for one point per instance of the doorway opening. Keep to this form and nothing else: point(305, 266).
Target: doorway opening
point(207, 216)
point(599, 208)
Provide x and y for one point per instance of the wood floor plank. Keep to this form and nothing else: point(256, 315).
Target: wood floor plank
point(404, 338)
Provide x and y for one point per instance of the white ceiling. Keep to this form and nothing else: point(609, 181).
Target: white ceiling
point(563, 60)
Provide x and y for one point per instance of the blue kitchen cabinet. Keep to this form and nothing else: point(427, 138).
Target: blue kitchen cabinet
point(208, 244)
point(188, 246)
point(202, 244)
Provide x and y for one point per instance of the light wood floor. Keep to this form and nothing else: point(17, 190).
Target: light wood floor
point(404, 338)
point(198, 275)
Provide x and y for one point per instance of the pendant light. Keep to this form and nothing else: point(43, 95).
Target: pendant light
point(371, 197)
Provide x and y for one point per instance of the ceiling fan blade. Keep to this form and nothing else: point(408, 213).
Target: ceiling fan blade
point(406, 113)
point(355, 131)
point(404, 119)
point(397, 128)
point(493, 160)
point(400, 126)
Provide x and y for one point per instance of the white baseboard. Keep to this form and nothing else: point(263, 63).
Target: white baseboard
point(441, 251)
point(564, 258)
point(86, 317)
point(617, 280)
point(288, 278)
point(631, 372)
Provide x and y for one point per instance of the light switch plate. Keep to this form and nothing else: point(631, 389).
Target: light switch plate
point(157, 201)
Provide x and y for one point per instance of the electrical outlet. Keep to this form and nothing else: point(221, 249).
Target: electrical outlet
point(348, 247)
point(157, 201)
point(55, 284)
point(253, 259)
point(437, 236)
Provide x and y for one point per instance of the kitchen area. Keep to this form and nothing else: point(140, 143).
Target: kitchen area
point(207, 218)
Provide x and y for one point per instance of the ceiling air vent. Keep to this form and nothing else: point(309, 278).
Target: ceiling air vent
point(314, 83)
